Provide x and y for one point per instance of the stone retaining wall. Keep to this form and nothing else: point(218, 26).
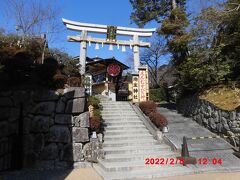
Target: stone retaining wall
point(208, 115)
point(42, 129)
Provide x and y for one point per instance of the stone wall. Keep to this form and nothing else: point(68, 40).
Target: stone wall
point(217, 120)
point(42, 128)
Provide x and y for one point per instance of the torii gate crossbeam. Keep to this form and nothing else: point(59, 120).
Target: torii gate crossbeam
point(84, 28)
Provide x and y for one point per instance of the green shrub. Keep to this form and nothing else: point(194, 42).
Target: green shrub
point(157, 95)
point(97, 113)
point(94, 101)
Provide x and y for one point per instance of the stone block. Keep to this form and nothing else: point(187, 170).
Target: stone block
point(14, 114)
point(45, 108)
point(30, 159)
point(60, 107)
point(38, 142)
point(82, 120)
point(44, 164)
point(80, 134)
point(63, 119)
point(77, 152)
point(4, 146)
point(5, 93)
point(232, 115)
point(92, 151)
point(45, 95)
point(12, 128)
point(59, 133)
point(75, 106)
point(225, 114)
point(73, 152)
point(40, 124)
point(63, 165)
point(28, 142)
point(74, 92)
point(212, 124)
point(6, 102)
point(235, 130)
point(3, 129)
point(50, 152)
point(26, 125)
point(4, 113)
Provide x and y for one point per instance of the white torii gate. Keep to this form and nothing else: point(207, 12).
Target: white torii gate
point(103, 29)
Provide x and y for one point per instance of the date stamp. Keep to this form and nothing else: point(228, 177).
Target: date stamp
point(174, 161)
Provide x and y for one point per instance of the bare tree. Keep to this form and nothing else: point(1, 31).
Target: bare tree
point(33, 17)
point(151, 57)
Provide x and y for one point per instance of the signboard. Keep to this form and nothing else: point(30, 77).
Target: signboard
point(143, 84)
point(113, 69)
point(135, 88)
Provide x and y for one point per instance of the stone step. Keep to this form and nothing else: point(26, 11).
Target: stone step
point(125, 144)
point(115, 103)
point(133, 165)
point(123, 140)
point(117, 123)
point(117, 126)
point(152, 172)
point(133, 137)
point(127, 128)
point(119, 113)
point(158, 154)
point(123, 106)
point(122, 118)
point(135, 149)
point(126, 132)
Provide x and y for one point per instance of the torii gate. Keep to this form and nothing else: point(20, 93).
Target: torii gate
point(111, 32)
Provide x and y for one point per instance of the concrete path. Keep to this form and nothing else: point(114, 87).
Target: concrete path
point(71, 174)
point(219, 149)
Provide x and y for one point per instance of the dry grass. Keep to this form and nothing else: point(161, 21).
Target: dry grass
point(223, 97)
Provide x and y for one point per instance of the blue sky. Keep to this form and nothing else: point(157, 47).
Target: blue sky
point(109, 12)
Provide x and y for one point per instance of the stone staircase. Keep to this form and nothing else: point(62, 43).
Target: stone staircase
point(127, 143)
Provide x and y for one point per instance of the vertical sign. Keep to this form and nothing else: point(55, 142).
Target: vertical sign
point(147, 84)
point(142, 85)
point(135, 88)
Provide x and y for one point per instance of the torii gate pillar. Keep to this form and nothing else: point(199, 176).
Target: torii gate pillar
point(83, 53)
point(136, 54)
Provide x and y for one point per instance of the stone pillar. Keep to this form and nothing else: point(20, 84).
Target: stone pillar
point(83, 53)
point(136, 53)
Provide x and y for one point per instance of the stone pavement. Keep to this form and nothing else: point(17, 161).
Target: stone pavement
point(218, 148)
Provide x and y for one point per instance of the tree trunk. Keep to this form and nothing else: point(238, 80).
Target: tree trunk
point(174, 4)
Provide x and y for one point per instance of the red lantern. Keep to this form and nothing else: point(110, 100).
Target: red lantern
point(113, 69)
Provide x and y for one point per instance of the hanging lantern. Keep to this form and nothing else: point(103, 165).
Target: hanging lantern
point(102, 44)
point(123, 48)
point(89, 43)
point(118, 46)
point(130, 46)
point(97, 46)
point(110, 47)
